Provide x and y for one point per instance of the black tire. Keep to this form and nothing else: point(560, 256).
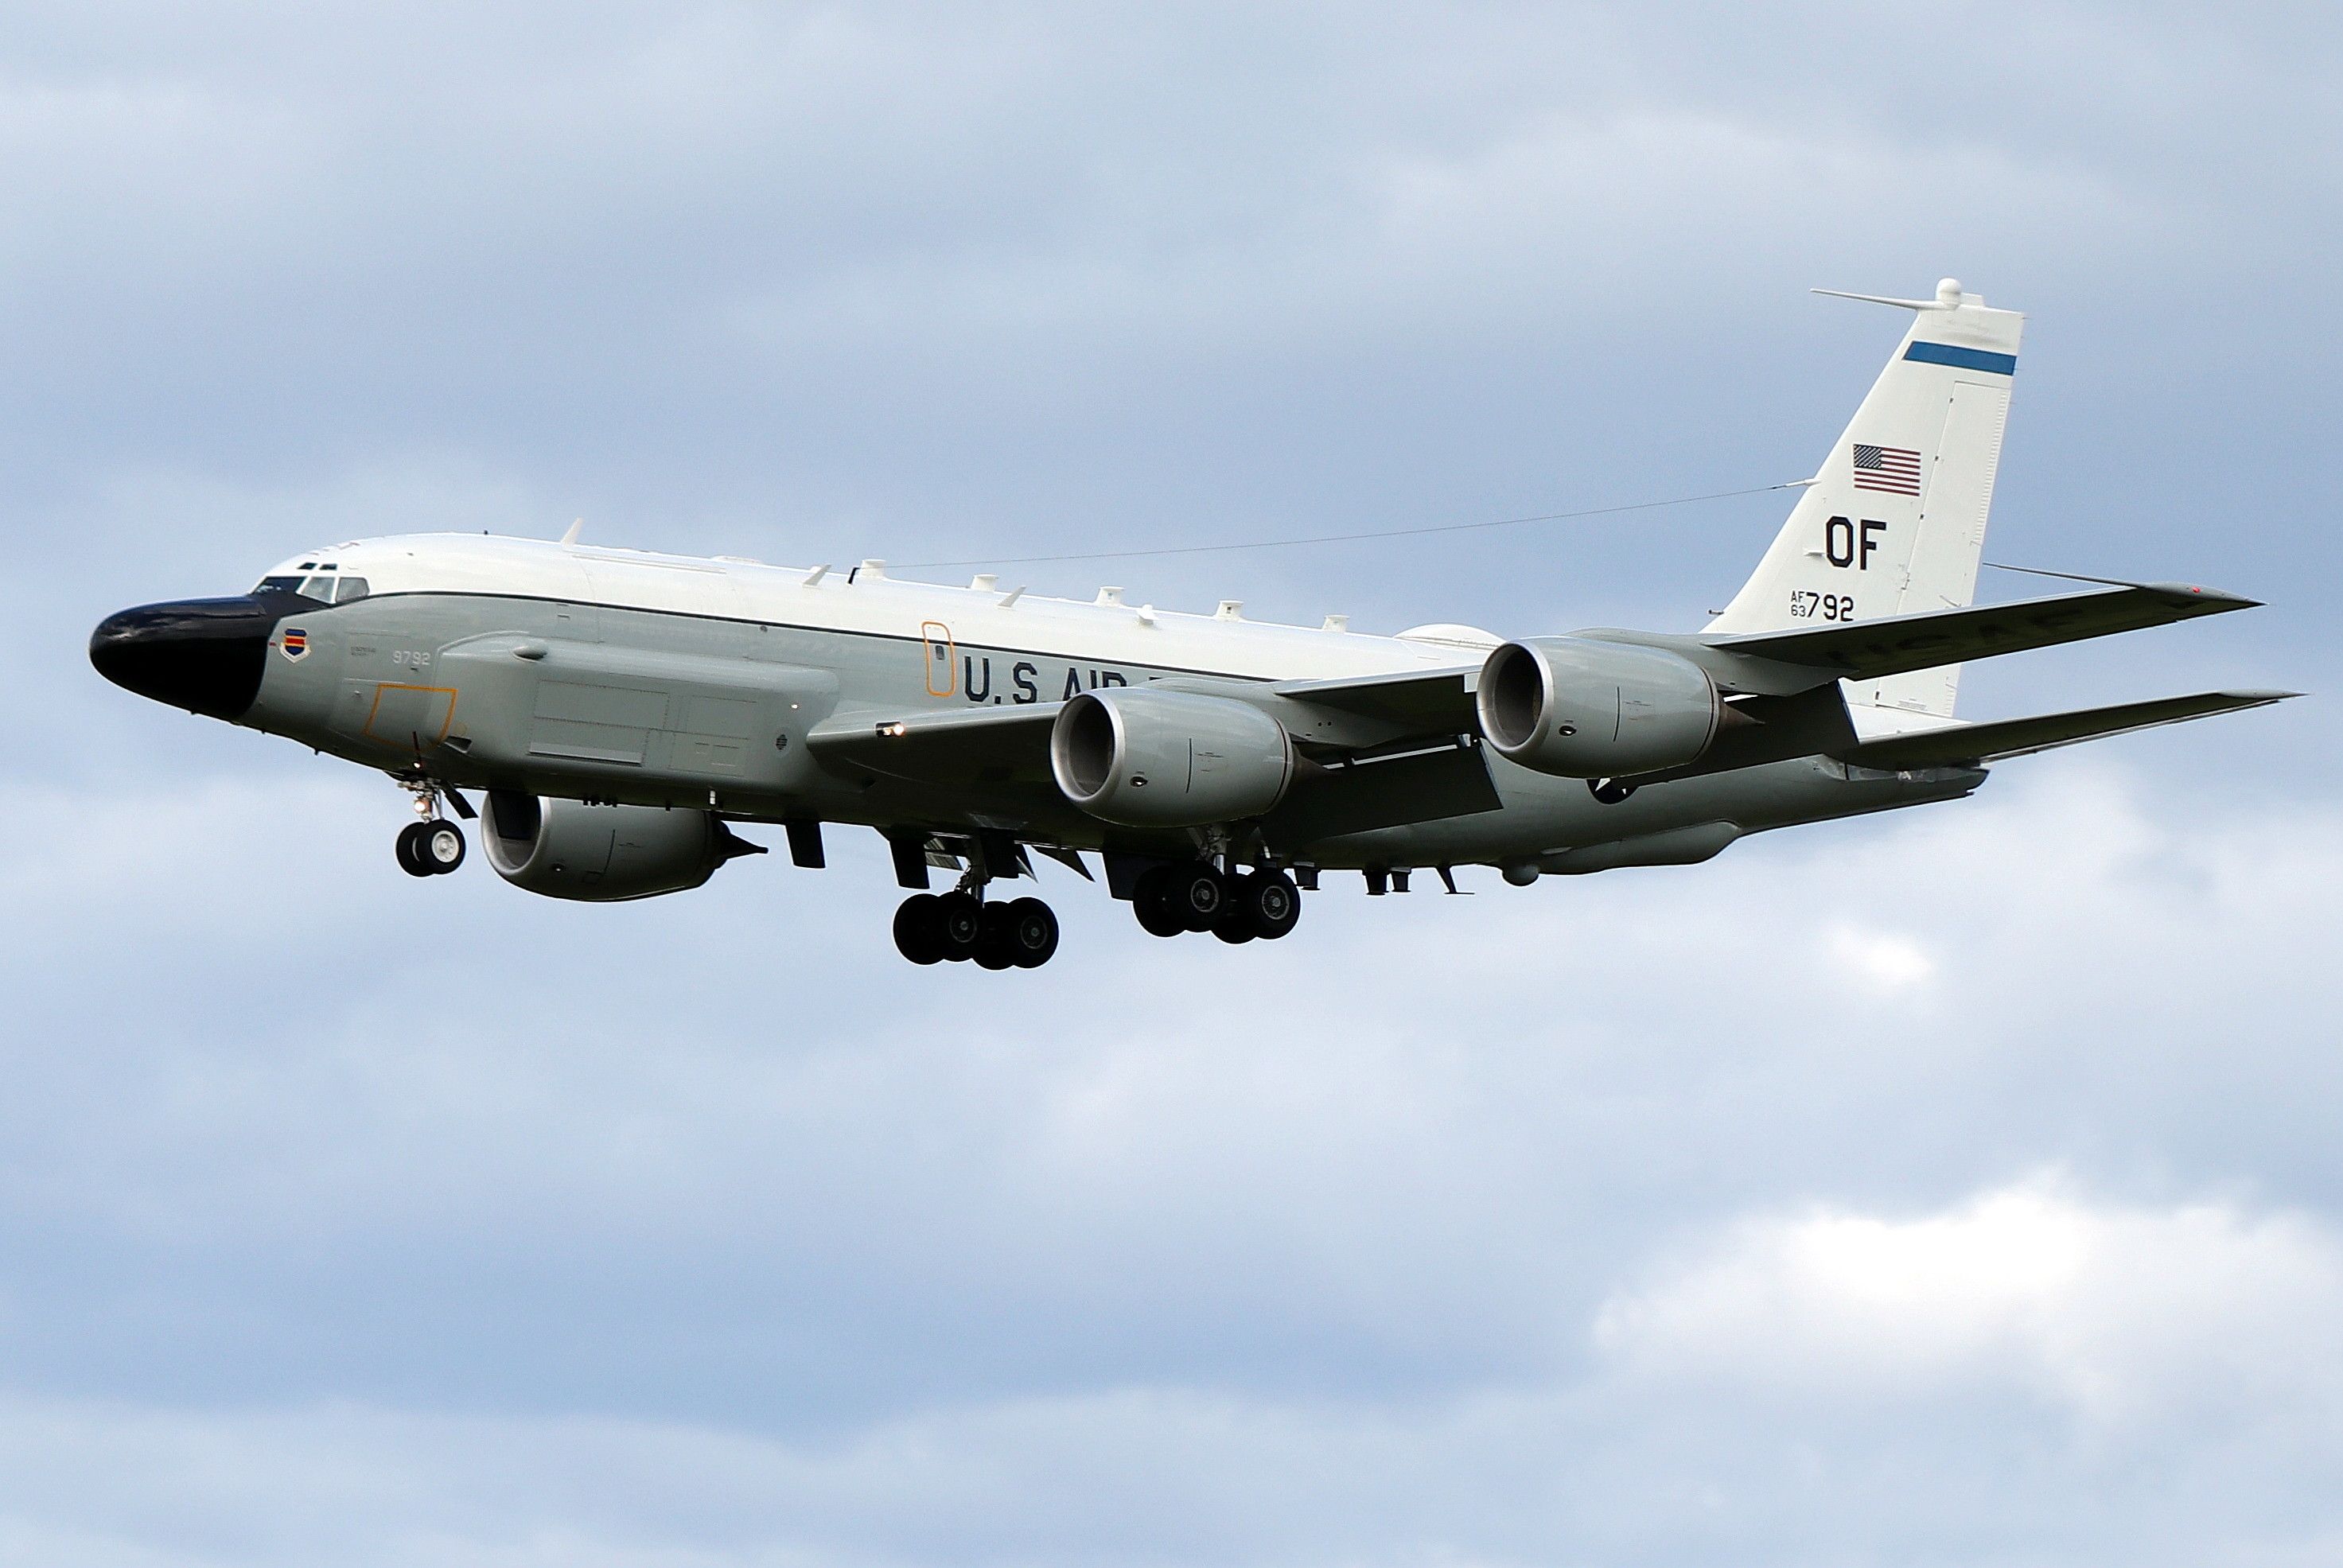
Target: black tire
point(1151, 900)
point(410, 850)
point(1033, 933)
point(960, 925)
point(1235, 925)
point(1271, 902)
point(918, 930)
point(996, 939)
point(1198, 894)
point(441, 848)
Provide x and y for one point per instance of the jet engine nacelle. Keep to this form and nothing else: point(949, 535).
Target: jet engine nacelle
point(603, 854)
point(1582, 708)
point(1151, 759)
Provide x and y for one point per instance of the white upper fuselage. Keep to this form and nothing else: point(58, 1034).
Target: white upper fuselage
point(863, 600)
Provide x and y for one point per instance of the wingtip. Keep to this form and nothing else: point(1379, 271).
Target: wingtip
point(2215, 599)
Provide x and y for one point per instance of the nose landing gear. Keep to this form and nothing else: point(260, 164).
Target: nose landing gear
point(429, 849)
point(430, 846)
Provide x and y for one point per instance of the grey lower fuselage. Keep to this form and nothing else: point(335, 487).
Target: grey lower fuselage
point(621, 704)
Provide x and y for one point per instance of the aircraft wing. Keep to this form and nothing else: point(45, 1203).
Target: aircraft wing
point(972, 745)
point(1369, 781)
point(1868, 649)
point(1419, 702)
point(1957, 745)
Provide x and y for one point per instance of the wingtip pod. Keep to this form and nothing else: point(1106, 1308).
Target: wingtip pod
point(2216, 600)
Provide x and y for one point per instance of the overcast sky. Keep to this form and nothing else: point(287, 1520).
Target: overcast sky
point(1956, 1187)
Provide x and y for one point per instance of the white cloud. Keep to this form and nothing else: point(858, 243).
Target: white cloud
point(2125, 1313)
point(1880, 960)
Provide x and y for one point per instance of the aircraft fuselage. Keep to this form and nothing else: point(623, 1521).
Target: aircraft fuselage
point(624, 677)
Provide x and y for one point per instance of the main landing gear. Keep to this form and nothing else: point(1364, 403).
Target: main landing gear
point(1196, 897)
point(954, 927)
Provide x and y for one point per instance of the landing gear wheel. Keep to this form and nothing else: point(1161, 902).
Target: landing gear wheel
point(1235, 926)
point(1610, 792)
point(995, 941)
point(410, 850)
point(1269, 901)
point(1033, 933)
point(442, 847)
point(1198, 894)
point(960, 925)
point(919, 929)
point(1151, 900)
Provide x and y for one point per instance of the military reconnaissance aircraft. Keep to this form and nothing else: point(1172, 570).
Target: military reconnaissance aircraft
point(620, 710)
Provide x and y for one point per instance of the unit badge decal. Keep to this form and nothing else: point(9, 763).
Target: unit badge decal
point(295, 642)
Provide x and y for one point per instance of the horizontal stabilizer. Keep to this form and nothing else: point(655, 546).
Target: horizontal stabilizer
point(1894, 645)
point(1961, 744)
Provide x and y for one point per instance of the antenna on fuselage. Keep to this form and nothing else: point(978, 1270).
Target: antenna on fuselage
point(570, 537)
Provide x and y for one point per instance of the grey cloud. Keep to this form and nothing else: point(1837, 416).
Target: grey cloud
point(1400, 1167)
point(1968, 1448)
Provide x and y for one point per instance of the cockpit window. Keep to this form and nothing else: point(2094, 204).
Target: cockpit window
point(323, 589)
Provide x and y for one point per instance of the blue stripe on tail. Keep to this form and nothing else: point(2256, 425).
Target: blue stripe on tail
point(1962, 358)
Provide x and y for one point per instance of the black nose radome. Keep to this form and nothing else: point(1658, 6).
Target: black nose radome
point(201, 653)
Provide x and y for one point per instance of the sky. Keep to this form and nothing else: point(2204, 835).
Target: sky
point(1952, 1187)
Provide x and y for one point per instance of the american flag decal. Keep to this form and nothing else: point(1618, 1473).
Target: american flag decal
point(1889, 468)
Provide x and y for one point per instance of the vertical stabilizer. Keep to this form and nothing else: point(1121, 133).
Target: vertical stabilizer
point(1894, 521)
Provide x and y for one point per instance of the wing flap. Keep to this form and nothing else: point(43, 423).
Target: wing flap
point(1449, 781)
point(1960, 744)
